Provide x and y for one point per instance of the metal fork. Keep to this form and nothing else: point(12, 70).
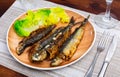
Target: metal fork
point(100, 47)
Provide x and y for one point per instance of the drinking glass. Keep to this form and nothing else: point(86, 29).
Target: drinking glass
point(105, 20)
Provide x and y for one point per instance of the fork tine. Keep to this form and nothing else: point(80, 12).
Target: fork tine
point(101, 40)
point(104, 39)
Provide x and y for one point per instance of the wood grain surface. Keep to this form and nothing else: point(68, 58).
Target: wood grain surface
point(5, 72)
point(92, 6)
point(4, 5)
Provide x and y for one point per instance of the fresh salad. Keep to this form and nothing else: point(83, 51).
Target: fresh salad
point(42, 17)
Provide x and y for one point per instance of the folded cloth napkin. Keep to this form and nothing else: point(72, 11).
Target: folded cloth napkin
point(78, 69)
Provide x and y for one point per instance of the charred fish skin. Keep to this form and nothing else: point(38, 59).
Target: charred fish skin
point(43, 47)
point(40, 47)
point(53, 49)
point(48, 40)
point(56, 34)
point(58, 41)
point(51, 40)
point(69, 47)
point(33, 38)
point(37, 50)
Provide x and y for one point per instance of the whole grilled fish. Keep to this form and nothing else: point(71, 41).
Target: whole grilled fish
point(34, 37)
point(69, 47)
point(50, 41)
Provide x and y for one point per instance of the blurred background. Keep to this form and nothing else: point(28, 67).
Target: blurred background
point(4, 5)
point(93, 6)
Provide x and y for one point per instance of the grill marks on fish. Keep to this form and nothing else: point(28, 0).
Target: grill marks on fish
point(46, 42)
point(33, 38)
point(49, 44)
point(58, 45)
point(69, 47)
point(53, 49)
point(36, 51)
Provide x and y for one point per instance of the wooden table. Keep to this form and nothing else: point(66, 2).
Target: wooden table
point(93, 6)
point(4, 5)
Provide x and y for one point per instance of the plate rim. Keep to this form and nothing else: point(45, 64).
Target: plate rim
point(51, 68)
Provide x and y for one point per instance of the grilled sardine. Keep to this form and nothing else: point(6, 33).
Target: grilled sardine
point(50, 41)
point(69, 47)
point(33, 38)
point(35, 53)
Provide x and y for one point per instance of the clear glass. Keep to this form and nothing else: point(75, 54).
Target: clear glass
point(105, 20)
point(27, 4)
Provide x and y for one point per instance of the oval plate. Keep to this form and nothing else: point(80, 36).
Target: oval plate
point(85, 45)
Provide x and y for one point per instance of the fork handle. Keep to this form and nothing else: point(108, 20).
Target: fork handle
point(91, 68)
point(103, 69)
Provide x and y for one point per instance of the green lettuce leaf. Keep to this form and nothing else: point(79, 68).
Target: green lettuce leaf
point(60, 12)
point(31, 22)
point(42, 17)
